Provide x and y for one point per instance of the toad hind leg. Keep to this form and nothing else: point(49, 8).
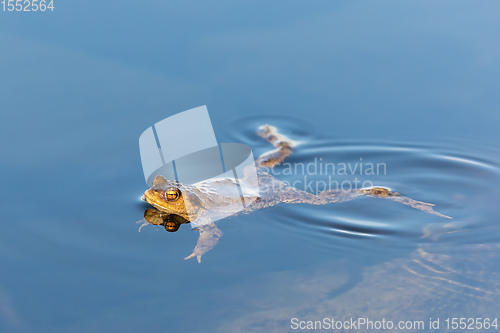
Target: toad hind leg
point(385, 193)
point(293, 195)
point(284, 147)
point(282, 144)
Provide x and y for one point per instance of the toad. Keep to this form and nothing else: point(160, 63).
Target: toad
point(177, 203)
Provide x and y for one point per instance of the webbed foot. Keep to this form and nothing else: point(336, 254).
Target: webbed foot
point(208, 238)
point(383, 192)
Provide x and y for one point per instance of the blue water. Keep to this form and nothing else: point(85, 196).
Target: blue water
point(412, 85)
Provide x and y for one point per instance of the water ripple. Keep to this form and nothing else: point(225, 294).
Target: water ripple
point(460, 180)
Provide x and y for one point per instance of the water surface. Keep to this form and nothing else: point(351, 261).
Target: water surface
point(412, 86)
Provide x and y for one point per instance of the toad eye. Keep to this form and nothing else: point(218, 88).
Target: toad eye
point(172, 194)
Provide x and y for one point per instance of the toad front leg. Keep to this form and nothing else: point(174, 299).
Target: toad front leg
point(208, 238)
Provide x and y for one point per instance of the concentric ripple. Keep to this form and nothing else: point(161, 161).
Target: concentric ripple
point(461, 182)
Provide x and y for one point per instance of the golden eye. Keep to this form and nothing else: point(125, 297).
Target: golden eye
point(171, 194)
